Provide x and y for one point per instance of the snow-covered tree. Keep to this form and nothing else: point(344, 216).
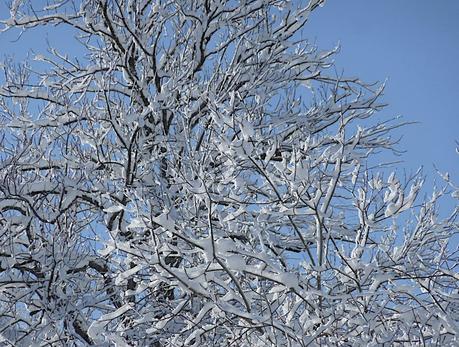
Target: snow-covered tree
point(198, 175)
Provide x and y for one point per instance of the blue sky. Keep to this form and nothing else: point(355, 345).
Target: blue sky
point(412, 43)
point(415, 45)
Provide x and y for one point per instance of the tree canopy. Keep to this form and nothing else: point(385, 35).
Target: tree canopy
point(201, 176)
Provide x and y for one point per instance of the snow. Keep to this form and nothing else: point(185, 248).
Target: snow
point(114, 208)
point(95, 330)
point(289, 280)
point(247, 130)
point(115, 314)
point(136, 223)
point(235, 262)
point(109, 247)
point(165, 221)
point(54, 6)
point(69, 198)
point(391, 209)
point(123, 276)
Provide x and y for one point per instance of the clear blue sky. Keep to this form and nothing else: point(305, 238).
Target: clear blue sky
point(415, 45)
point(412, 43)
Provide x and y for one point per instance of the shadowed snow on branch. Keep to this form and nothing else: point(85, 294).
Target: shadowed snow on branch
point(199, 176)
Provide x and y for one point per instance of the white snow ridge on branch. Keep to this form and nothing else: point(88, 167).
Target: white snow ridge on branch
point(198, 176)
